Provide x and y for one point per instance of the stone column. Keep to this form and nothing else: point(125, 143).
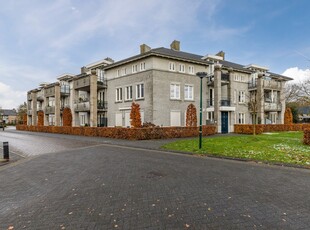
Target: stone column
point(93, 99)
point(57, 105)
point(282, 102)
point(217, 96)
point(34, 108)
point(231, 89)
point(260, 98)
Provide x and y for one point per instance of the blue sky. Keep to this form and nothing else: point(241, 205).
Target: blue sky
point(41, 40)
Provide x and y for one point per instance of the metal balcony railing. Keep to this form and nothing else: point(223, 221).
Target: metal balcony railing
point(225, 102)
point(102, 104)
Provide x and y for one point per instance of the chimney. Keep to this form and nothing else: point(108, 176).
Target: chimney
point(175, 45)
point(221, 54)
point(83, 69)
point(144, 48)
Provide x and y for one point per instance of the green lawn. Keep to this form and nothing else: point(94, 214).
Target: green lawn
point(283, 147)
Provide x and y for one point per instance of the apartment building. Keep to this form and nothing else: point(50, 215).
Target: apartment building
point(164, 82)
point(84, 94)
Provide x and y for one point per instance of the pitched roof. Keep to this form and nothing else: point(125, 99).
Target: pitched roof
point(8, 112)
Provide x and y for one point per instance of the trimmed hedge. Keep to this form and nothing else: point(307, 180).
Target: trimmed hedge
point(248, 129)
point(307, 136)
point(124, 133)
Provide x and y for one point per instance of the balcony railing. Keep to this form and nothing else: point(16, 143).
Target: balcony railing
point(49, 110)
point(225, 77)
point(225, 102)
point(65, 89)
point(269, 106)
point(101, 83)
point(82, 107)
point(102, 105)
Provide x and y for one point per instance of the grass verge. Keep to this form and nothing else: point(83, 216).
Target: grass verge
point(283, 147)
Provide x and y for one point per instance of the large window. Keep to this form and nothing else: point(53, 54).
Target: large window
point(182, 68)
point(142, 66)
point(241, 118)
point(119, 94)
point(191, 69)
point(128, 93)
point(171, 66)
point(140, 91)
point(174, 91)
point(241, 97)
point(188, 92)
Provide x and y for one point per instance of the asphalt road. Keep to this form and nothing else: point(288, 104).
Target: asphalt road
point(86, 183)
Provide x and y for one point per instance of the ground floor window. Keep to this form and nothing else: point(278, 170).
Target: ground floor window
point(51, 119)
point(241, 118)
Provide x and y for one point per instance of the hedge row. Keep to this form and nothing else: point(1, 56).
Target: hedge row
point(307, 136)
point(124, 133)
point(248, 129)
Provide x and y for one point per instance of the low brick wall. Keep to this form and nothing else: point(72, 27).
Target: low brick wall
point(124, 133)
point(248, 129)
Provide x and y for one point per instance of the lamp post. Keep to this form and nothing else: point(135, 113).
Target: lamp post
point(201, 75)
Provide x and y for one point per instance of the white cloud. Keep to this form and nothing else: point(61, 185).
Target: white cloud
point(299, 75)
point(10, 98)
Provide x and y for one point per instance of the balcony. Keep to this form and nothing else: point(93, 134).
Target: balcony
point(82, 107)
point(65, 90)
point(82, 83)
point(49, 110)
point(101, 83)
point(102, 105)
point(49, 92)
point(225, 102)
point(272, 84)
point(270, 106)
point(40, 97)
point(224, 79)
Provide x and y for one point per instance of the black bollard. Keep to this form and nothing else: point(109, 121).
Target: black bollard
point(6, 154)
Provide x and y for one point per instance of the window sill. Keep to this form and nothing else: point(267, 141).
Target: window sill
point(174, 99)
point(118, 102)
point(192, 100)
point(140, 99)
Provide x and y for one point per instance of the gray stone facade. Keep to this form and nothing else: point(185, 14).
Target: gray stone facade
point(164, 82)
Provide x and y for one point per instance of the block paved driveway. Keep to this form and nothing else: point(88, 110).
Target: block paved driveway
point(91, 183)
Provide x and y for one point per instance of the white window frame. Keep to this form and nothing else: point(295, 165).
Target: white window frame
point(119, 94)
point(241, 118)
point(142, 66)
point(175, 91)
point(134, 68)
point(140, 91)
point(191, 69)
point(188, 95)
point(241, 97)
point(118, 73)
point(171, 66)
point(181, 68)
point(128, 93)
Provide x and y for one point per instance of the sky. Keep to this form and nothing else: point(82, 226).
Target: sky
point(40, 40)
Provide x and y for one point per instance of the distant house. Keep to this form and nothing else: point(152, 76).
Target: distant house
point(304, 114)
point(9, 116)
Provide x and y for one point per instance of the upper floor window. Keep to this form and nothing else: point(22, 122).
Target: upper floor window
point(174, 91)
point(171, 66)
point(119, 94)
point(118, 72)
point(123, 72)
point(191, 69)
point(140, 91)
point(188, 92)
point(241, 98)
point(142, 66)
point(128, 93)
point(182, 68)
point(51, 101)
point(134, 68)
